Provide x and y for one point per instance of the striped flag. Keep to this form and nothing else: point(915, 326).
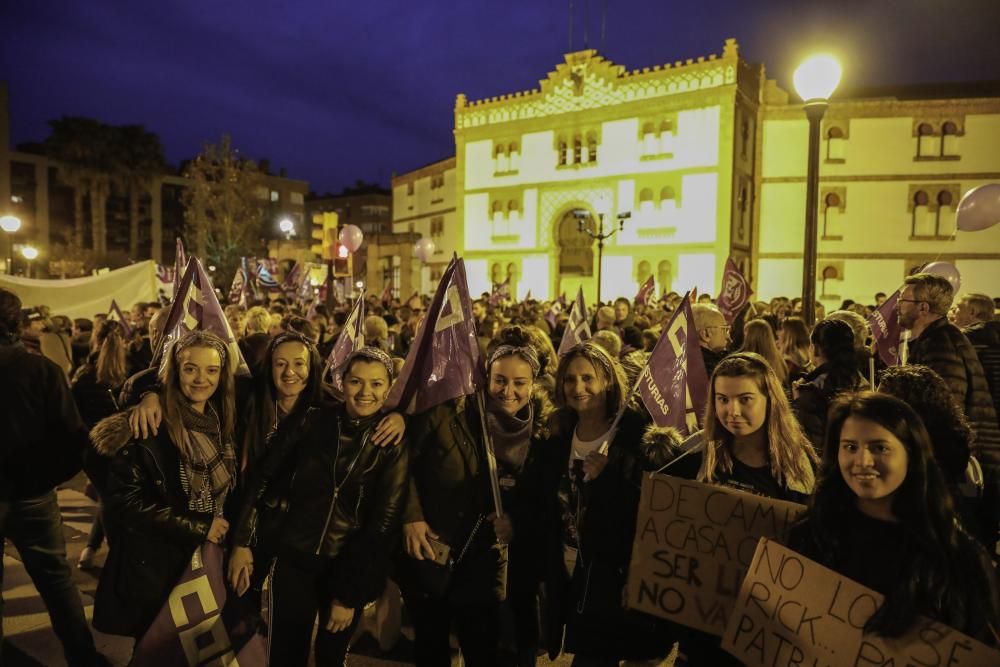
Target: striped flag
point(265, 275)
point(350, 339)
point(577, 329)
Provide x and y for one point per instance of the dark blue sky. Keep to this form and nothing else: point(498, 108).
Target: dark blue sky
point(337, 91)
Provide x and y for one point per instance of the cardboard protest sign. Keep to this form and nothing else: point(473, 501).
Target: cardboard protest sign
point(794, 611)
point(693, 545)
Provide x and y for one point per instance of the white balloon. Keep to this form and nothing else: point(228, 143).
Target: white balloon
point(424, 249)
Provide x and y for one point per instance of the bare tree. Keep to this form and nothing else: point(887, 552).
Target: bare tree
point(222, 205)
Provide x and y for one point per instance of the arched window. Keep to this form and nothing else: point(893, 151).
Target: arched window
point(949, 138)
point(835, 143)
point(577, 149)
point(650, 142)
point(927, 143)
point(666, 138)
point(591, 147)
point(563, 153)
point(665, 275)
point(645, 200)
point(829, 273)
point(513, 156)
point(831, 216)
point(923, 222)
point(945, 214)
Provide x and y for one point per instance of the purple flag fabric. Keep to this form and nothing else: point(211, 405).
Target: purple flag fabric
point(501, 293)
point(200, 624)
point(673, 385)
point(884, 323)
point(577, 329)
point(735, 292)
point(239, 284)
point(443, 361)
point(115, 314)
point(180, 261)
point(293, 278)
point(552, 316)
point(350, 339)
point(642, 297)
point(196, 308)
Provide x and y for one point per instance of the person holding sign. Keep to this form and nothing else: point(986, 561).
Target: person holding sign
point(882, 515)
point(751, 442)
point(596, 470)
point(517, 414)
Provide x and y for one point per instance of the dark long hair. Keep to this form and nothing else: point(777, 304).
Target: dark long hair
point(945, 574)
point(834, 339)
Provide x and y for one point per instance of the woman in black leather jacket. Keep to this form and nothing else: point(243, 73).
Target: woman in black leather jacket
point(342, 498)
point(164, 494)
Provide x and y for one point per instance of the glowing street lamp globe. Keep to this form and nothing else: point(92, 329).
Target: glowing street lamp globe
point(286, 226)
point(10, 223)
point(30, 253)
point(817, 77)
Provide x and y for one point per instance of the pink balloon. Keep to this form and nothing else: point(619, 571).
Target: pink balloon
point(351, 236)
point(979, 208)
point(424, 249)
point(946, 271)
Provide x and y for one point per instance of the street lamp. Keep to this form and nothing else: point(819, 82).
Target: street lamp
point(286, 226)
point(603, 207)
point(815, 80)
point(10, 224)
point(30, 253)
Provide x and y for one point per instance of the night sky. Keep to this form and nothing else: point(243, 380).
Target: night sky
point(337, 91)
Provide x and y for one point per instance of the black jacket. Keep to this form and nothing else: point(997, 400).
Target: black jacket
point(450, 490)
point(43, 437)
point(944, 348)
point(590, 602)
point(815, 394)
point(94, 399)
point(152, 533)
point(343, 503)
point(985, 339)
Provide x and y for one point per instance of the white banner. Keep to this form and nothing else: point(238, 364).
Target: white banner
point(85, 297)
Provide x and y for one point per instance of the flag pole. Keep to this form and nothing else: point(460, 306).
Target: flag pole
point(491, 457)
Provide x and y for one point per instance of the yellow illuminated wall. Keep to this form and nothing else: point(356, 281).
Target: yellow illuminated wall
point(661, 144)
point(876, 157)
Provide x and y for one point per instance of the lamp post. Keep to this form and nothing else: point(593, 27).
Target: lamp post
point(603, 208)
point(815, 80)
point(10, 224)
point(30, 253)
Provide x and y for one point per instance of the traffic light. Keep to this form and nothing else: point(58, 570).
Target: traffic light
point(324, 234)
point(341, 260)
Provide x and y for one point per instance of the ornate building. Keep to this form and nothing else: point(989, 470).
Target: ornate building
point(671, 145)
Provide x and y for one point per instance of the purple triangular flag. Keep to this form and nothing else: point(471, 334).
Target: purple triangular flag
point(735, 292)
point(577, 329)
point(674, 385)
point(886, 331)
point(443, 362)
point(115, 314)
point(351, 338)
point(180, 262)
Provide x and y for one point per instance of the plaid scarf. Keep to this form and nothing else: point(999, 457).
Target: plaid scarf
point(210, 464)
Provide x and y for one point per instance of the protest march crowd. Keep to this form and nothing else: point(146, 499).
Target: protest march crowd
point(488, 456)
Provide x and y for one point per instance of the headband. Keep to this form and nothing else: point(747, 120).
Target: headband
point(370, 353)
point(593, 351)
point(200, 339)
point(291, 337)
point(526, 352)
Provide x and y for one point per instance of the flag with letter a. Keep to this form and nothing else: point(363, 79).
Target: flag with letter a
point(443, 361)
point(577, 328)
point(674, 385)
point(351, 338)
point(196, 308)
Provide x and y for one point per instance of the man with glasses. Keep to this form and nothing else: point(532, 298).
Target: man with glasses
point(713, 334)
point(935, 342)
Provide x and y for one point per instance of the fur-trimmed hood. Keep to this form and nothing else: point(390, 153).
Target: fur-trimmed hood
point(111, 434)
point(661, 445)
point(543, 408)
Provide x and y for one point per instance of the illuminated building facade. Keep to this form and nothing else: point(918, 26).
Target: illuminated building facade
point(423, 206)
point(672, 145)
point(893, 167)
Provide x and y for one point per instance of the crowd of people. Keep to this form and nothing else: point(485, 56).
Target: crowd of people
point(310, 484)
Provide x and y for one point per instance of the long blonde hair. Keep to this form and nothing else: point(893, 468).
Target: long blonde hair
point(223, 399)
point(790, 455)
point(111, 360)
point(758, 336)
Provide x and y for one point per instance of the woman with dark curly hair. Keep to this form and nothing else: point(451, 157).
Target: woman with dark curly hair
point(835, 369)
point(882, 515)
point(952, 440)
